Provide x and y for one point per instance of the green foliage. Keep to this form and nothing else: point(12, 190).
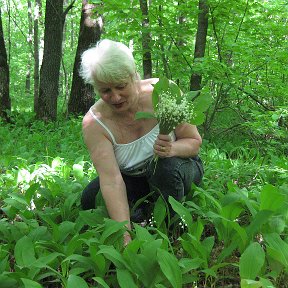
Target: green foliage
point(234, 224)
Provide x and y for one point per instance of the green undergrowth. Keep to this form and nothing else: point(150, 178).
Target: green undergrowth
point(229, 232)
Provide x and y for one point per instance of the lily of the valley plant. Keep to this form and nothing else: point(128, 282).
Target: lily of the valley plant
point(172, 107)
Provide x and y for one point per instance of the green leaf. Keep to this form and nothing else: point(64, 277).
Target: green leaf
point(174, 88)
point(101, 282)
point(44, 260)
point(198, 119)
point(271, 198)
point(202, 102)
point(182, 211)
point(30, 283)
point(159, 211)
point(246, 283)
point(31, 191)
point(7, 282)
point(189, 264)
point(24, 252)
point(277, 248)
point(144, 115)
point(125, 279)
point(111, 227)
point(78, 171)
point(260, 218)
point(251, 261)
point(76, 282)
point(170, 267)
point(113, 255)
point(143, 233)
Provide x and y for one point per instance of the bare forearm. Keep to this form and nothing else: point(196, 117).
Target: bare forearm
point(185, 147)
point(115, 198)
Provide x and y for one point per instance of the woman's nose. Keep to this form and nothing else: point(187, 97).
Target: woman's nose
point(115, 95)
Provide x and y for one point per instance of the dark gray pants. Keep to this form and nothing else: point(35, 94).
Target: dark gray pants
point(171, 177)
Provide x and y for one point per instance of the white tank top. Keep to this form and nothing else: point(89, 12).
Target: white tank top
point(133, 157)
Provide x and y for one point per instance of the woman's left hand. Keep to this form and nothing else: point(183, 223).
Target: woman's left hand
point(163, 146)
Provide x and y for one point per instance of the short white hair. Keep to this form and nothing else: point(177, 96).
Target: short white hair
point(108, 62)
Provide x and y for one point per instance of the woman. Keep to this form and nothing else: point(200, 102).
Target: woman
point(121, 147)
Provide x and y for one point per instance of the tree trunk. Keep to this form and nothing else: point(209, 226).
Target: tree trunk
point(5, 102)
point(37, 13)
point(200, 44)
point(49, 73)
point(29, 58)
point(146, 40)
point(82, 95)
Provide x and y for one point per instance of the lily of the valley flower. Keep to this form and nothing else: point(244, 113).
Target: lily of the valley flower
point(172, 111)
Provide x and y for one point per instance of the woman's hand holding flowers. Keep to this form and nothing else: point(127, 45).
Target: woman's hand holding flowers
point(163, 146)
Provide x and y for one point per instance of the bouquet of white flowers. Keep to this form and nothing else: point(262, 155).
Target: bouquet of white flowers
point(172, 107)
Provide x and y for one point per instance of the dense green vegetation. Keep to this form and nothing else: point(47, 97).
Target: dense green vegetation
point(233, 229)
point(230, 232)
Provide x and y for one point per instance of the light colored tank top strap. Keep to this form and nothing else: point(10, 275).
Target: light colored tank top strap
point(103, 125)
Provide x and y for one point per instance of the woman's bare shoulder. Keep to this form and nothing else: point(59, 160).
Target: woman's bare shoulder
point(149, 82)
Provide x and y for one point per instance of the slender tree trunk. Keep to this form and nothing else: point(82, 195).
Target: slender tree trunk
point(30, 37)
point(37, 13)
point(162, 48)
point(50, 69)
point(82, 95)
point(200, 44)
point(5, 102)
point(146, 40)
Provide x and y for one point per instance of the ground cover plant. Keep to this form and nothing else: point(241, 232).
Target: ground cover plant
point(229, 232)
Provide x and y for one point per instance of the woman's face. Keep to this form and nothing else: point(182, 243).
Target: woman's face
point(120, 97)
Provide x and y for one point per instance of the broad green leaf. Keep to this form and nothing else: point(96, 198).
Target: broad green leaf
point(144, 115)
point(125, 279)
point(170, 267)
point(42, 261)
point(277, 248)
point(78, 171)
point(7, 282)
point(31, 191)
point(247, 283)
point(271, 198)
point(65, 229)
point(192, 95)
point(188, 264)
point(24, 252)
point(142, 233)
point(251, 261)
point(113, 255)
point(101, 282)
point(76, 282)
point(30, 283)
point(198, 119)
point(174, 88)
point(79, 258)
point(111, 227)
point(260, 218)
point(159, 211)
point(149, 248)
point(202, 102)
point(92, 217)
point(182, 211)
